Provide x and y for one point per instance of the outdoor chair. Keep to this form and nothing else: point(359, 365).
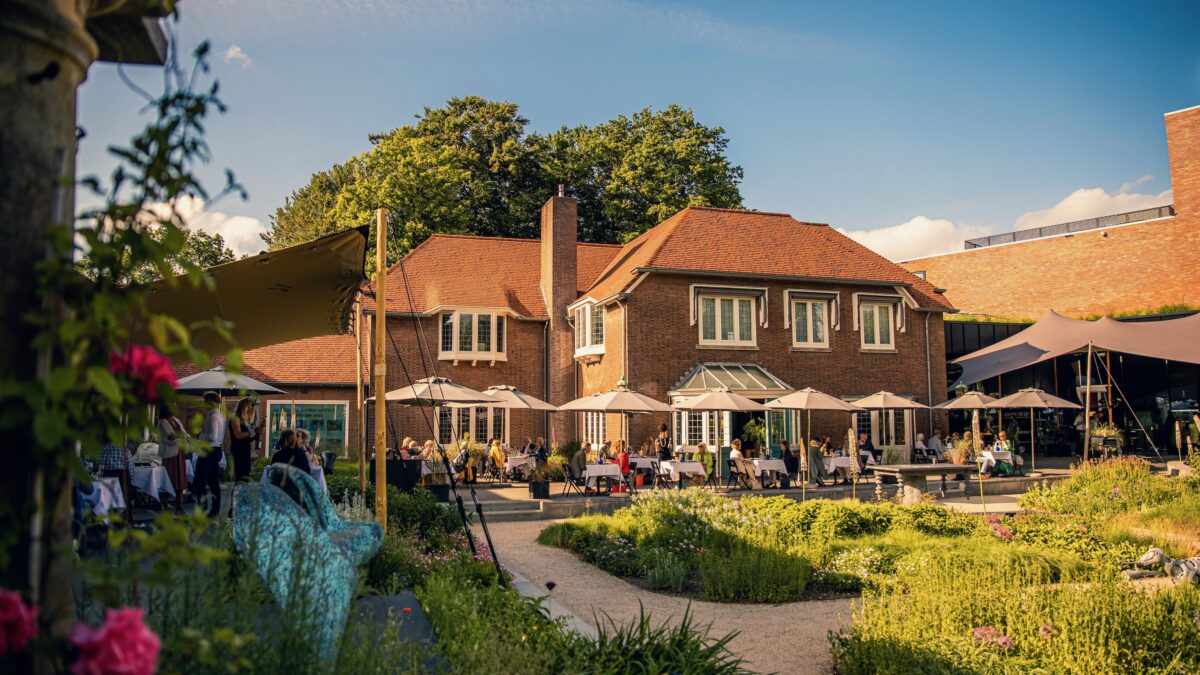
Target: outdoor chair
point(662, 477)
point(492, 471)
point(736, 478)
point(572, 481)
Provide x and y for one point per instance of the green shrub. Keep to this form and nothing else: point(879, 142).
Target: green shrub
point(665, 571)
point(748, 573)
point(342, 487)
point(1101, 489)
point(257, 466)
point(936, 520)
point(419, 510)
point(642, 647)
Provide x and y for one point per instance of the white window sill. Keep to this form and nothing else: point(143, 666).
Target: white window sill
point(878, 350)
point(731, 345)
point(471, 357)
point(590, 350)
point(811, 348)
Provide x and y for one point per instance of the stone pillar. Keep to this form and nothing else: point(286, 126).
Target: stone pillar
point(559, 289)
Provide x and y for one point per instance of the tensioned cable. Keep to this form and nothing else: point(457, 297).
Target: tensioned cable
point(1125, 400)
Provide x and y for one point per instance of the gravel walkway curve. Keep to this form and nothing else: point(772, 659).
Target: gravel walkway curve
point(788, 638)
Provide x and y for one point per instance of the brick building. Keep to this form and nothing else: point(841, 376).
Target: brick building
point(758, 302)
point(1112, 267)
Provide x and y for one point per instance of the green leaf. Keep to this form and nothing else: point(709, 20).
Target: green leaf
point(48, 428)
point(60, 380)
point(105, 383)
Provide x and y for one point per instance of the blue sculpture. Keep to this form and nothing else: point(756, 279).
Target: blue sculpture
point(306, 555)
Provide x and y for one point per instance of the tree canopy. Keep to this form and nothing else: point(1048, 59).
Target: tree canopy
point(470, 167)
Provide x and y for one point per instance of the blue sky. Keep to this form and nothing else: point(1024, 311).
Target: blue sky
point(912, 125)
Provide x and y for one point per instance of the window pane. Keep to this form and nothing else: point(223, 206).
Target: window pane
point(447, 332)
point(695, 427)
point(726, 319)
point(498, 422)
point(885, 324)
point(801, 321)
point(713, 441)
point(597, 325)
point(499, 334)
point(818, 322)
point(580, 327)
point(484, 333)
point(708, 318)
point(325, 423)
point(868, 324)
point(745, 320)
point(464, 425)
point(464, 332)
point(445, 425)
point(481, 425)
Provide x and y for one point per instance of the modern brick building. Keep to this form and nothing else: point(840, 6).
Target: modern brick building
point(1112, 266)
point(758, 302)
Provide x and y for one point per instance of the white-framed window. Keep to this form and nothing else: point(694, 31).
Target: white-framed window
point(810, 321)
point(594, 424)
point(589, 329)
point(885, 428)
point(727, 321)
point(477, 336)
point(326, 422)
point(693, 427)
point(479, 425)
point(875, 325)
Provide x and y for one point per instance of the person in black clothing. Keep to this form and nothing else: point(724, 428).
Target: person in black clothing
point(540, 455)
point(865, 445)
point(663, 444)
point(789, 460)
point(241, 438)
point(290, 452)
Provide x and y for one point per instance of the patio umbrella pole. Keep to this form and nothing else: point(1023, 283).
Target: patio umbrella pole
point(380, 368)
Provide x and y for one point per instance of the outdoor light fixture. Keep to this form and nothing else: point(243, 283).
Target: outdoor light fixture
point(622, 383)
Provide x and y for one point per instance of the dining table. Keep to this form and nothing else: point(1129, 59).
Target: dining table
point(106, 496)
point(151, 480)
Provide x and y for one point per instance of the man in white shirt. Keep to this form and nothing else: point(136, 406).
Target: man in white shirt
point(936, 445)
point(208, 467)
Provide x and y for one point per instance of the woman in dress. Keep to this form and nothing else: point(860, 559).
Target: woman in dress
point(241, 438)
point(170, 433)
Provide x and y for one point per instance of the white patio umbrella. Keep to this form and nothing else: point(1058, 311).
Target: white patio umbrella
point(973, 401)
point(808, 400)
point(719, 400)
point(435, 391)
point(511, 398)
point(225, 384)
point(884, 401)
point(1031, 399)
point(618, 400)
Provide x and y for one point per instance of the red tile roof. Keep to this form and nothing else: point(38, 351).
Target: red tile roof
point(460, 270)
point(325, 359)
point(736, 241)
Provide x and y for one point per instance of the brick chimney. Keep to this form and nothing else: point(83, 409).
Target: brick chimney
point(1183, 145)
point(559, 289)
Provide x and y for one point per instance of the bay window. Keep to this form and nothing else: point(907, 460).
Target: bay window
point(875, 325)
point(727, 321)
point(809, 321)
point(589, 330)
point(477, 336)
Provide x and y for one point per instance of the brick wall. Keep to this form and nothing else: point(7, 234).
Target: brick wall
point(523, 369)
point(559, 289)
point(663, 346)
point(1127, 268)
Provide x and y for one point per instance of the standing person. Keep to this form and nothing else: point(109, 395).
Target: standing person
point(790, 462)
point(662, 444)
point(816, 462)
point(622, 460)
point(208, 468)
point(241, 438)
point(170, 433)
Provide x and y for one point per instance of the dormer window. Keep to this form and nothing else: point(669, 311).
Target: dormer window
point(589, 330)
point(474, 336)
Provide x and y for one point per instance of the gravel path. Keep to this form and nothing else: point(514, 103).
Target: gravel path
point(788, 638)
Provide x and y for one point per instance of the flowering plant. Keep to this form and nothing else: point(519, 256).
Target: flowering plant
point(123, 644)
point(18, 623)
point(146, 367)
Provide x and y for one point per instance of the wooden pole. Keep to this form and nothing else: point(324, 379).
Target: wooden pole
point(380, 373)
point(1108, 396)
point(1087, 404)
point(358, 398)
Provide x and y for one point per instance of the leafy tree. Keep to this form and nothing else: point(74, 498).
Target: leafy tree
point(194, 249)
point(470, 168)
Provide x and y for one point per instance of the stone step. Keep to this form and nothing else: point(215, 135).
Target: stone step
point(510, 505)
point(513, 516)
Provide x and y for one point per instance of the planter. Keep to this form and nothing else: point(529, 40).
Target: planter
point(440, 492)
point(539, 489)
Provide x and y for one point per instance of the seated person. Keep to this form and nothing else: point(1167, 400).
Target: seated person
point(790, 461)
point(290, 452)
point(622, 460)
point(743, 465)
point(114, 460)
point(705, 458)
point(920, 450)
point(1002, 443)
point(540, 455)
point(499, 459)
point(866, 446)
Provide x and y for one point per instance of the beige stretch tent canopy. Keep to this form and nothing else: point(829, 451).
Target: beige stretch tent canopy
point(1056, 335)
point(293, 293)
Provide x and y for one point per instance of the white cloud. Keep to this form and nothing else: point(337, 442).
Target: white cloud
point(1092, 202)
point(919, 237)
point(1126, 187)
point(241, 233)
point(236, 55)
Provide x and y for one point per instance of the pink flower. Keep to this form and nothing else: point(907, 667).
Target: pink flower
point(1048, 630)
point(146, 366)
point(18, 623)
point(992, 637)
point(122, 645)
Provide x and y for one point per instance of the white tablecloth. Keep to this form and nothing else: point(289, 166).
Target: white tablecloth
point(988, 459)
point(642, 462)
point(593, 471)
point(834, 463)
point(519, 460)
point(763, 465)
point(316, 472)
point(151, 480)
point(866, 457)
point(677, 469)
point(106, 496)
point(425, 470)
